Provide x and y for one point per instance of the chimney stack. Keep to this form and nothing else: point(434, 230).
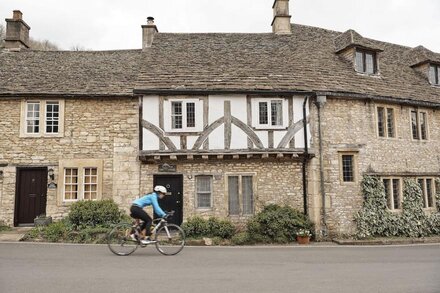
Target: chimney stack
point(17, 32)
point(281, 17)
point(148, 32)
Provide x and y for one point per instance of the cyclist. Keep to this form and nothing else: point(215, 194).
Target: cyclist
point(137, 211)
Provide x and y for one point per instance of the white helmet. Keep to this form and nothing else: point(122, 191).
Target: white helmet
point(160, 188)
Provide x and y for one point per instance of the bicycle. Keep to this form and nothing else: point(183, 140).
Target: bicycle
point(169, 239)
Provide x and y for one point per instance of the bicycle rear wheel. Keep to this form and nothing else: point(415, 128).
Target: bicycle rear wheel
point(170, 239)
point(119, 241)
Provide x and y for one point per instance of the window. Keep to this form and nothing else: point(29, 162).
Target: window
point(428, 191)
point(366, 62)
point(204, 192)
point(347, 168)
point(33, 117)
point(385, 122)
point(42, 118)
point(269, 113)
point(52, 117)
point(393, 193)
point(82, 180)
point(241, 195)
point(434, 74)
point(183, 115)
point(419, 121)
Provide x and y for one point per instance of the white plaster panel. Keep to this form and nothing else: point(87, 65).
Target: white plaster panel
point(150, 141)
point(238, 138)
point(176, 141)
point(217, 138)
point(277, 137)
point(150, 113)
point(263, 137)
point(190, 141)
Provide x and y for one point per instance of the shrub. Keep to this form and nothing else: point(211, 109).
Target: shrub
point(94, 213)
point(241, 238)
point(55, 232)
point(196, 227)
point(220, 228)
point(4, 227)
point(277, 224)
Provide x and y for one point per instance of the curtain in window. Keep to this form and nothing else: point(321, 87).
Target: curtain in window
point(277, 112)
point(234, 208)
point(248, 195)
point(203, 191)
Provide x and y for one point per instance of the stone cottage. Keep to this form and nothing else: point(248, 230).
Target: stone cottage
point(227, 122)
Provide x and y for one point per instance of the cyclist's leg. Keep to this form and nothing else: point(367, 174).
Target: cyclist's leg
point(139, 213)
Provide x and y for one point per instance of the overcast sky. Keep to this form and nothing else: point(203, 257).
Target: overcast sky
point(116, 24)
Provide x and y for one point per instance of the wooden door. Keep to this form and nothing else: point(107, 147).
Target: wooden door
point(31, 195)
point(174, 199)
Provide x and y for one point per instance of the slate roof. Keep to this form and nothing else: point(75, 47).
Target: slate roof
point(303, 61)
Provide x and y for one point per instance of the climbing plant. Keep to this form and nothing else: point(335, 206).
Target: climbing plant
point(375, 220)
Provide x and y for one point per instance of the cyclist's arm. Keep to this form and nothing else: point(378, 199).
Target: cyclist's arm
point(156, 207)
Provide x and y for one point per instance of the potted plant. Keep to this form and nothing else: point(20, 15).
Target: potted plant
point(42, 220)
point(303, 236)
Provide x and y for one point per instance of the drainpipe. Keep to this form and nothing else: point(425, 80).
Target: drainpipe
point(320, 101)
point(306, 155)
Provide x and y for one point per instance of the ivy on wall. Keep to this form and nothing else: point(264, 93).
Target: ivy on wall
point(375, 220)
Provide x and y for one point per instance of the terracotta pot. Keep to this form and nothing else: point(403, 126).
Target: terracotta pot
point(303, 239)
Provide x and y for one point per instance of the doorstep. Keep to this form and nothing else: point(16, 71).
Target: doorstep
point(388, 241)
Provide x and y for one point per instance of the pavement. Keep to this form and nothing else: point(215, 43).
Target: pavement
point(17, 233)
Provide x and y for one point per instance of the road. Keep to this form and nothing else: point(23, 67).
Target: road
point(47, 268)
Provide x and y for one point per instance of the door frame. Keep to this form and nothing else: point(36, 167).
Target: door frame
point(18, 170)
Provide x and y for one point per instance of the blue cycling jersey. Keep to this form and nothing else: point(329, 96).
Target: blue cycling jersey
point(148, 200)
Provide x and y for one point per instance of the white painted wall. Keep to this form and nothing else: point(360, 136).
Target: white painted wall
point(150, 112)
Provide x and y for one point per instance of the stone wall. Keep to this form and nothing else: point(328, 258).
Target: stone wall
point(104, 129)
point(277, 182)
point(350, 126)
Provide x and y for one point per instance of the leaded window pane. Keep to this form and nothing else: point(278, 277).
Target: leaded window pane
point(347, 168)
point(277, 113)
point(263, 115)
point(381, 121)
point(423, 125)
point(429, 193)
point(233, 192)
point(396, 193)
point(248, 195)
point(369, 63)
point(190, 115)
point(390, 122)
point(386, 183)
point(414, 125)
point(359, 62)
point(33, 117)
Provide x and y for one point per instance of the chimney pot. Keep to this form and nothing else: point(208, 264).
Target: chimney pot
point(17, 15)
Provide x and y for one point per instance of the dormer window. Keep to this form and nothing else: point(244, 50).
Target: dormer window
point(365, 61)
point(434, 74)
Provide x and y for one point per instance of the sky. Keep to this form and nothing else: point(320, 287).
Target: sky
point(116, 24)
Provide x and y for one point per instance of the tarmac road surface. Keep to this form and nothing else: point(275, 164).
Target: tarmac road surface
point(50, 268)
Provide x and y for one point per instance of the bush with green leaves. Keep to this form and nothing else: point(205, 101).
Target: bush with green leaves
point(197, 227)
point(94, 213)
point(376, 220)
point(4, 227)
point(277, 224)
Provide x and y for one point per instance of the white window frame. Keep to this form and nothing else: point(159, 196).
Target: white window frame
point(210, 192)
point(42, 119)
point(256, 113)
point(81, 166)
point(198, 108)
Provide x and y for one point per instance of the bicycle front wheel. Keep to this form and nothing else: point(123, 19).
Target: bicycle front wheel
point(119, 241)
point(170, 239)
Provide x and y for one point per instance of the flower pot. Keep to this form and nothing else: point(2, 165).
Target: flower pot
point(303, 239)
